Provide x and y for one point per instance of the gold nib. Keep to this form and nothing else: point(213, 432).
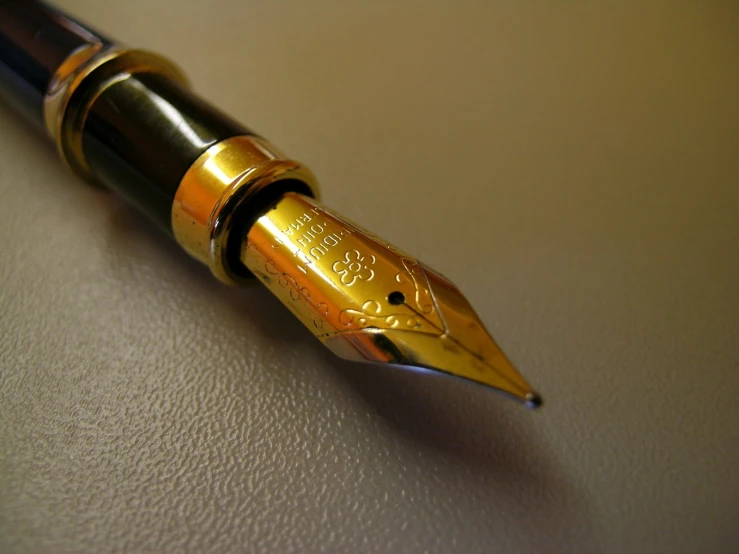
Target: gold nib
point(368, 301)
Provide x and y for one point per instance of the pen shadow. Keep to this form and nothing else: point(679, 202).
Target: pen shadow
point(453, 422)
point(491, 436)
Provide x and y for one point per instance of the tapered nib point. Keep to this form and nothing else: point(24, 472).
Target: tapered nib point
point(533, 401)
point(367, 300)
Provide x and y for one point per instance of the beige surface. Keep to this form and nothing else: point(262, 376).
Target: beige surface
point(573, 167)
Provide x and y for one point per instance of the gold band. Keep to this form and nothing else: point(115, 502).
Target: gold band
point(80, 80)
point(224, 179)
point(60, 86)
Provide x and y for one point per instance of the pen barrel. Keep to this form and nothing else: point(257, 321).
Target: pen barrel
point(35, 40)
point(126, 119)
point(142, 132)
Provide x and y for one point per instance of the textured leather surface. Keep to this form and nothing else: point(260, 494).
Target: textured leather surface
point(571, 166)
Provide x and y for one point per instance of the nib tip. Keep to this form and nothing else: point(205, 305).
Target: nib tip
point(533, 401)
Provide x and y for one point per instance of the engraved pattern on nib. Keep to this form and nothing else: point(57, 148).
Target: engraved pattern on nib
point(322, 312)
point(413, 271)
point(355, 267)
point(371, 316)
point(420, 314)
point(267, 271)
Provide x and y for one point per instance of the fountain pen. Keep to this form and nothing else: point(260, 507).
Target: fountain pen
point(126, 119)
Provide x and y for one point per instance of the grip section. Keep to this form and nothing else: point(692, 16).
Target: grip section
point(141, 135)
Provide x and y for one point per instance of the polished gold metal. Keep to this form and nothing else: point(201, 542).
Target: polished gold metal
point(80, 80)
point(221, 182)
point(366, 300)
point(60, 86)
